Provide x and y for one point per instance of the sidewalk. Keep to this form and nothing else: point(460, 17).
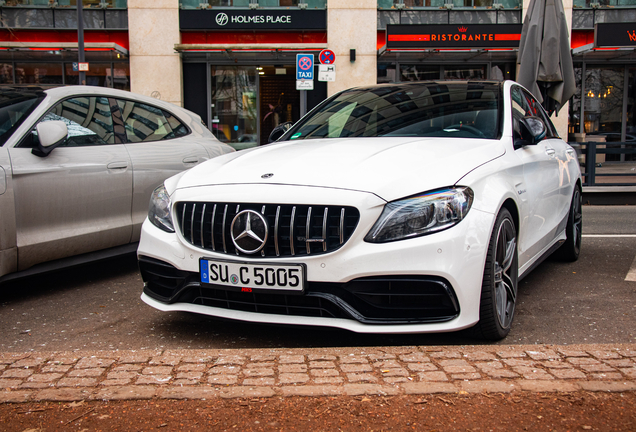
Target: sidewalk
point(205, 374)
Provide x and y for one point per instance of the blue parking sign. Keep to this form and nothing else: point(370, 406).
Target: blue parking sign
point(304, 66)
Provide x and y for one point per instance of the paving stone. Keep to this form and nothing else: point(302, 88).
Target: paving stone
point(223, 379)
point(445, 355)
point(263, 381)
point(29, 362)
point(157, 370)
point(604, 355)
point(313, 390)
point(361, 377)
point(388, 364)
point(353, 359)
point(134, 358)
point(480, 356)
point(629, 372)
point(77, 382)
point(16, 396)
point(356, 367)
point(293, 378)
point(394, 372)
point(395, 379)
point(190, 375)
point(370, 389)
point(165, 360)
point(381, 356)
point(125, 393)
point(466, 376)
point(583, 361)
point(223, 370)
point(92, 372)
point(115, 382)
point(192, 367)
point(607, 386)
point(61, 359)
point(513, 353)
point(246, 392)
point(548, 386)
point(606, 376)
point(9, 383)
point(194, 393)
point(259, 372)
point(421, 367)
point(517, 362)
point(260, 365)
point(328, 380)
point(530, 373)
point(34, 385)
point(284, 359)
point(230, 360)
point(154, 379)
point(10, 358)
point(128, 367)
point(93, 362)
point(627, 352)
point(322, 365)
point(556, 364)
point(567, 373)
point(55, 368)
point(17, 373)
point(597, 368)
point(456, 366)
point(122, 375)
point(63, 395)
point(487, 386)
point(184, 382)
point(263, 358)
point(567, 352)
point(324, 372)
point(432, 376)
point(428, 388)
point(500, 373)
point(292, 368)
point(543, 355)
point(414, 357)
point(621, 363)
point(320, 357)
point(45, 378)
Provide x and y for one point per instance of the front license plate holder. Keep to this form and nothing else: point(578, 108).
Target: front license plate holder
point(253, 277)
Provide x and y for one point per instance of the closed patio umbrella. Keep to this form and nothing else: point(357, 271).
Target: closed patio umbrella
point(544, 55)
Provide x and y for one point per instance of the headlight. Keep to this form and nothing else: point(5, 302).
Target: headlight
point(422, 214)
point(159, 209)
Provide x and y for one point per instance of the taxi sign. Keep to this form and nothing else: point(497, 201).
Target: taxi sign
point(304, 66)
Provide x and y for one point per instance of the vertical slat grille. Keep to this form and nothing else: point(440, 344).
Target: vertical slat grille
point(294, 230)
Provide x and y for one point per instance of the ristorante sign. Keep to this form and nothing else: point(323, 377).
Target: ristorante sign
point(232, 19)
point(615, 35)
point(453, 36)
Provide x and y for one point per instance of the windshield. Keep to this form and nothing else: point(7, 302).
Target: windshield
point(426, 109)
point(15, 107)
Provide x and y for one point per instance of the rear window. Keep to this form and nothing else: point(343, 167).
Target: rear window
point(432, 109)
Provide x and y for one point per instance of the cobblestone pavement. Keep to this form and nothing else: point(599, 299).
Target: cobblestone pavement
point(202, 374)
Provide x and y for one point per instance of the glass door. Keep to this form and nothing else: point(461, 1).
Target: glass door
point(233, 105)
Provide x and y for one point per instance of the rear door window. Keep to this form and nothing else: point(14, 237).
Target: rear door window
point(146, 123)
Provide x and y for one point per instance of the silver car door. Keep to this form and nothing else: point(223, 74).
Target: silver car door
point(159, 147)
point(8, 251)
point(78, 198)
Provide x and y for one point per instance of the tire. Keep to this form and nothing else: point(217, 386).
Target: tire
point(570, 250)
point(499, 285)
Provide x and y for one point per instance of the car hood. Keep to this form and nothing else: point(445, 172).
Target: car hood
point(391, 168)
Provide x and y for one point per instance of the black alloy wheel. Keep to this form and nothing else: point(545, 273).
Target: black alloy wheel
point(499, 285)
point(571, 248)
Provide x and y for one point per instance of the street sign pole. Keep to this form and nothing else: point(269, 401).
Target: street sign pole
point(80, 40)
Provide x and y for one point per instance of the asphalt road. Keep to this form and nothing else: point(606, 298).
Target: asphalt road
point(97, 306)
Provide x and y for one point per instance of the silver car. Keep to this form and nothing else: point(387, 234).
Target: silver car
point(78, 165)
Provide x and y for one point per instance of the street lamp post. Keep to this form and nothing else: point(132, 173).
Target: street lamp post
point(80, 41)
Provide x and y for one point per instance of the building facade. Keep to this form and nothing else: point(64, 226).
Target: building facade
point(234, 61)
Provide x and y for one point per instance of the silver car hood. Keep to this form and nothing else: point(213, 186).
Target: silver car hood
point(390, 168)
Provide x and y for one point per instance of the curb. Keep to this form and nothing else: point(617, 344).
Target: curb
point(264, 373)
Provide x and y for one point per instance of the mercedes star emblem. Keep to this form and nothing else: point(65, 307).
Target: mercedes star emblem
point(249, 231)
point(268, 175)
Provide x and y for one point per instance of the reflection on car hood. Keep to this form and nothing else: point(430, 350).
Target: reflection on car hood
point(388, 167)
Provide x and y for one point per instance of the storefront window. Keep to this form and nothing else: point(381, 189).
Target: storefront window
point(196, 4)
point(603, 106)
point(464, 72)
point(588, 3)
point(386, 73)
point(507, 4)
point(575, 107)
point(38, 73)
point(234, 105)
point(6, 73)
point(418, 72)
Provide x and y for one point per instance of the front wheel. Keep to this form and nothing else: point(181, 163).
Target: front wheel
point(499, 285)
point(571, 248)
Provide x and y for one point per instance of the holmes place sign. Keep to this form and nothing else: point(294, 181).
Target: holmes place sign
point(453, 36)
point(233, 19)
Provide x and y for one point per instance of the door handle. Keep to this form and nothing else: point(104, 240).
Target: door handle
point(191, 160)
point(117, 165)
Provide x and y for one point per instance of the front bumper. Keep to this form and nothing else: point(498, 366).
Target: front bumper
point(425, 284)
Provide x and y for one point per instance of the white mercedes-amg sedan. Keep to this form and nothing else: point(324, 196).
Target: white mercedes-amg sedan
point(398, 208)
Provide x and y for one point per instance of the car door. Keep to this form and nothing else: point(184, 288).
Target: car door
point(78, 198)
point(159, 148)
point(539, 191)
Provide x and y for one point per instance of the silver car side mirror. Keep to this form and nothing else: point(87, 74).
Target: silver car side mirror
point(50, 135)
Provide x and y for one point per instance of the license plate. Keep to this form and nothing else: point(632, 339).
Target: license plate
point(247, 277)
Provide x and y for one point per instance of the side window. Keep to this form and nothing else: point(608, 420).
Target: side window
point(145, 123)
point(519, 109)
point(537, 110)
point(88, 121)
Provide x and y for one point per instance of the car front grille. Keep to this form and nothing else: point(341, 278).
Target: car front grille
point(373, 300)
point(294, 230)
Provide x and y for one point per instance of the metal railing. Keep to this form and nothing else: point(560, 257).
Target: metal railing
point(607, 163)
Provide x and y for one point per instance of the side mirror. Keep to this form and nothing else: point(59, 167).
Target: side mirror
point(279, 131)
point(532, 131)
point(50, 135)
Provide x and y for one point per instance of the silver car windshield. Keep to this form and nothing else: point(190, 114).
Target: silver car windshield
point(15, 107)
point(427, 109)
